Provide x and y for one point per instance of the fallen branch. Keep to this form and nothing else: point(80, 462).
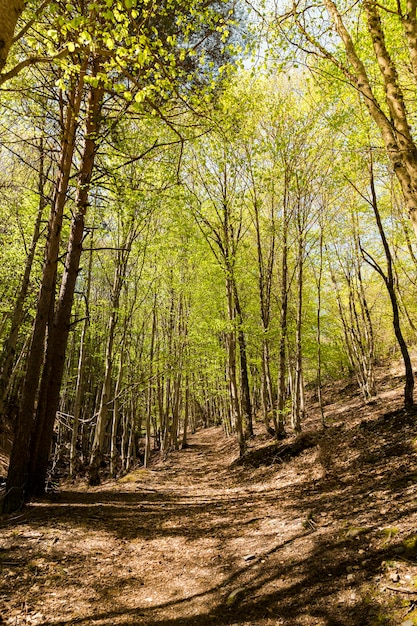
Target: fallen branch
point(402, 590)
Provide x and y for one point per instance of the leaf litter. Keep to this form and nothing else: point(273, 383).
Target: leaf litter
point(320, 529)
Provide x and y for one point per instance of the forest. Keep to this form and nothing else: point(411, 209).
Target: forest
point(208, 221)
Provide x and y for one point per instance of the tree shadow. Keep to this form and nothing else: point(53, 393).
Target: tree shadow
point(326, 570)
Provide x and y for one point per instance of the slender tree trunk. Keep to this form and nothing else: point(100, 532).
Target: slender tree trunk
point(265, 273)
point(280, 427)
point(318, 335)
point(102, 418)
point(149, 406)
point(236, 415)
point(80, 374)
point(9, 350)
point(389, 280)
point(244, 375)
point(297, 412)
point(176, 411)
point(116, 419)
point(186, 411)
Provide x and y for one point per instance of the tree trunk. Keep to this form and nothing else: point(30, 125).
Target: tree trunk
point(102, 418)
point(9, 349)
point(297, 409)
point(244, 375)
point(116, 418)
point(80, 374)
point(59, 331)
point(17, 479)
point(265, 273)
point(280, 427)
point(10, 11)
point(395, 130)
point(390, 284)
point(149, 403)
point(186, 412)
point(236, 415)
point(318, 335)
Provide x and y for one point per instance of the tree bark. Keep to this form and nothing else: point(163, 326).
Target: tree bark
point(235, 411)
point(149, 401)
point(102, 418)
point(389, 280)
point(17, 479)
point(244, 374)
point(80, 374)
point(280, 429)
point(395, 132)
point(297, 408)
point(59, 332)
point(10, 11)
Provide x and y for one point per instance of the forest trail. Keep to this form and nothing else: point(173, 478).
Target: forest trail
point(322, 530)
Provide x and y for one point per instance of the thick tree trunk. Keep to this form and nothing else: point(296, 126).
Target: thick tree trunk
point(395, 130)
point(10, 11)
point(17, 479)
point(59, 332)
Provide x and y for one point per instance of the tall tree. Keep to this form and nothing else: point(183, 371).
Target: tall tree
point(368, 62)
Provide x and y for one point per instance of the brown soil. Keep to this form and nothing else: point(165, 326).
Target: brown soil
point(321, 529)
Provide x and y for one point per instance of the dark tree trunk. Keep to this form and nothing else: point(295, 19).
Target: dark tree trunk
point(389, 280)
point(17, 478)
point(58, 337)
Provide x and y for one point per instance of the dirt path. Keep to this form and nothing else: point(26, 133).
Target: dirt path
point(317, 539)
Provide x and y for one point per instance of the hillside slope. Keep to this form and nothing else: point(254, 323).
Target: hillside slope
point(321, 530)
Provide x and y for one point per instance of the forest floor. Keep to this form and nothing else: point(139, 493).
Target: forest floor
point(321, 529)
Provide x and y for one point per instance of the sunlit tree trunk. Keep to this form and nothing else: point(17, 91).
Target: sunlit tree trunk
point(280, 430)
point(297, 408)
point(394, 126)
point(265, 274)
point(149, 401)
point(319, 277)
